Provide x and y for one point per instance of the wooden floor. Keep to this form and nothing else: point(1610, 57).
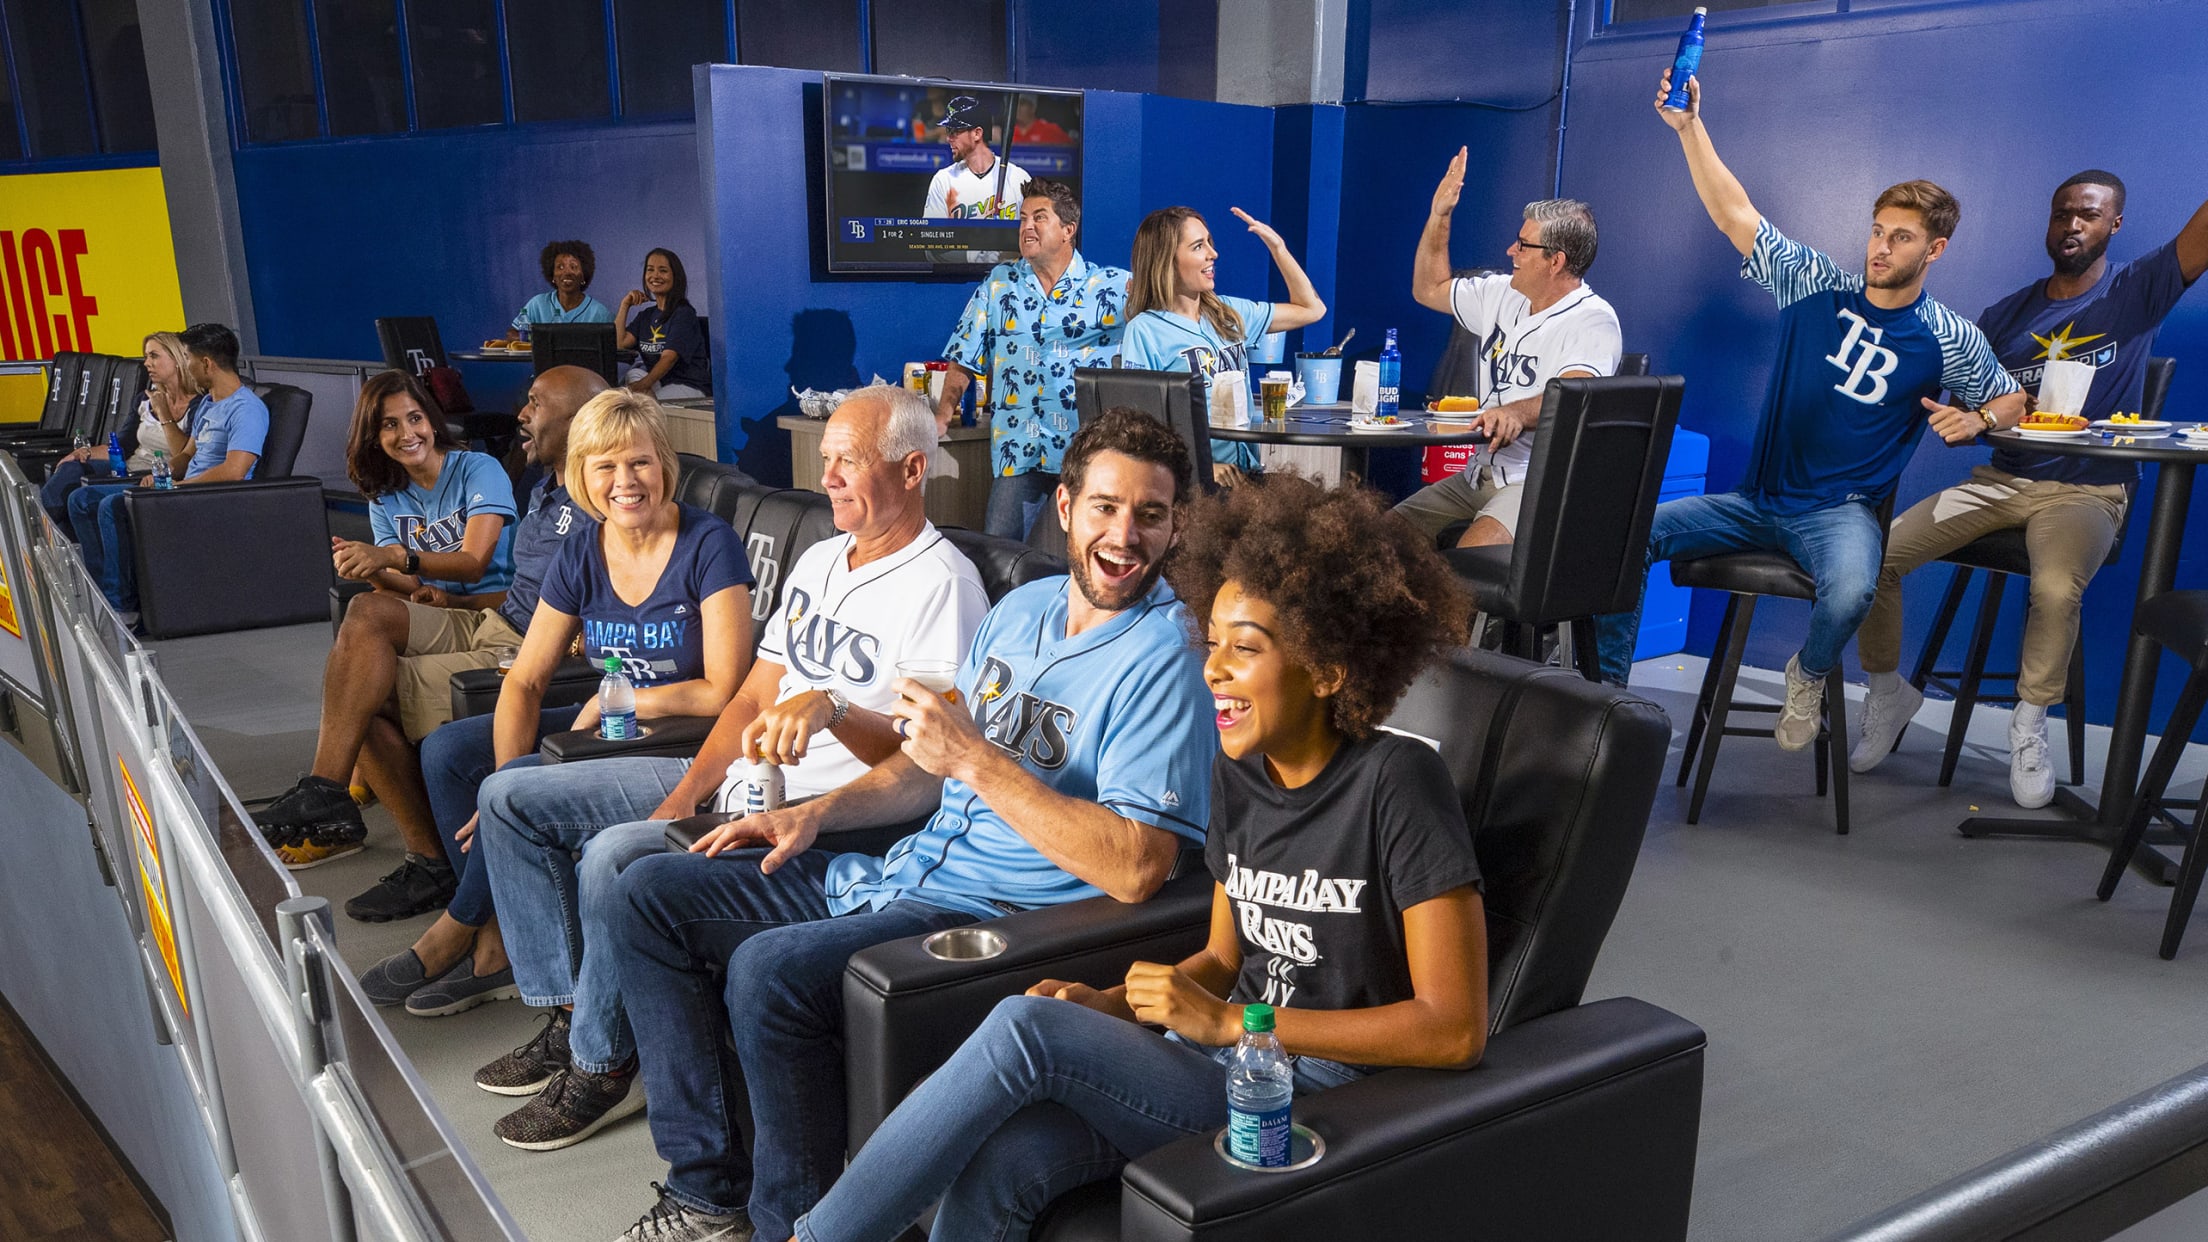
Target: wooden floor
point(58, 1177)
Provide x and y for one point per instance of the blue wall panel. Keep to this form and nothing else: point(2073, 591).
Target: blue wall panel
point(1816, 117)
point(1498, 51)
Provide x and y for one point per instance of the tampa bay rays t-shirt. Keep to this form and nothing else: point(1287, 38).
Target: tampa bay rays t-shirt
point(662, 640)
point(435, 518)
point(1160, 340)
point(677, 330)
point(553, 516)
point(1117, 715)
point(237, 423)
point(1320, 875)
point(847, 630)
point(2112, 326)
point(1842, 414)
point(1522, 349)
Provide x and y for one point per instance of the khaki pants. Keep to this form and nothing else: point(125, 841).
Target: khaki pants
point(1467, 495)
point(2068, 530)
point(439, 643)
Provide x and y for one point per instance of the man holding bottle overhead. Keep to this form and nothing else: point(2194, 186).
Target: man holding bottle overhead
point(1861, 360)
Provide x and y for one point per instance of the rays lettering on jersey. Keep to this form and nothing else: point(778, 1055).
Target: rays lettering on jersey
point(1204, 360)
point(820, 647)
point(622, 637)
point(1507, 370)
point(759, 550)
point(1024, 724)
point(1865, 360)
point(421, 534)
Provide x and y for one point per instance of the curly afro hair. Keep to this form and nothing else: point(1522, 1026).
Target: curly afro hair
point(580, 251)
point(1356, 587)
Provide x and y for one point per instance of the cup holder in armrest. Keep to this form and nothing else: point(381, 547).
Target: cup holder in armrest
point(965, 944)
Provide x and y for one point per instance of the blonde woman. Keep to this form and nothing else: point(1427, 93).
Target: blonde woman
point(167, 404)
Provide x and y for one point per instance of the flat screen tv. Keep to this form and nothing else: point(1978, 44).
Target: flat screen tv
point(924, 176)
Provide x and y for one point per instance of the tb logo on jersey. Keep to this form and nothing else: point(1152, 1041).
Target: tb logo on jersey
point(1866, 361)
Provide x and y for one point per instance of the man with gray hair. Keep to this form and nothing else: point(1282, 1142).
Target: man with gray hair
point(1539, 322)
point(889, 590)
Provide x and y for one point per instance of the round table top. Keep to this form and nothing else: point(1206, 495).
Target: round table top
point(1329, 425)
point(487, 355)
point(2166, 448)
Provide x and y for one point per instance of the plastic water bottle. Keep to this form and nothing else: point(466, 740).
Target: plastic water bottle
point(616, 704)
point(162, 479)
point(762, 787)
point(115, 459)
point(1686, 62)
point(1391, 379)
point(1260, 1085)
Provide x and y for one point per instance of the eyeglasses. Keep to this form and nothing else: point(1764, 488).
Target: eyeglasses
point(1520, 243)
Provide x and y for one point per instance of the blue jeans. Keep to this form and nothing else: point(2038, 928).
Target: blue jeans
point(456, 758)
point(685, 919)
point(64, 479)
point(1840, 548)
point(557, 915)
point(103, 538)
point(1047, 1095)
point(1017, 502)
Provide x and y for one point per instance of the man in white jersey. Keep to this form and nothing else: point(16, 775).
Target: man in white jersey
point(890, 589)
point(1539, 322)
point(975, 185)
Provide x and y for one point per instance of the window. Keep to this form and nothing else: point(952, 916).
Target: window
point(823, 34)
point(49, 72)
point(453, 45)
point(363, 87)
point(659, 42)
point(275, 74)
point(941, 39)
point(117, 57)
point(557, 49)
point(11, 138)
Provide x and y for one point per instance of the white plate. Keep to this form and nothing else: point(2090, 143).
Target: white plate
point(2145, 427)
point(1358, 424)
point(2079, 434)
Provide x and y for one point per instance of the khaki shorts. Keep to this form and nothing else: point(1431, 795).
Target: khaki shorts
point(439, 643)
point(1464, 496)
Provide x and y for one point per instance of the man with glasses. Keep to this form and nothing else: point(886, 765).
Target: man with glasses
point(1537, 323)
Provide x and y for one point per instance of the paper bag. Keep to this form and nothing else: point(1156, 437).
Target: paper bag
point(1230, 399)
point(1364, 394)
point(2063, 387)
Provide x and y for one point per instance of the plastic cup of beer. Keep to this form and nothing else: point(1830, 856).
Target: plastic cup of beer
point(1272, 392)
point(939, 676)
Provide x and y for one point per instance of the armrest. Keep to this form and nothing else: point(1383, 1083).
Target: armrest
point(342, 596)
point(475, 690)
point(665, 737)
point(906, 1011)
point(1579, 1124)
point(230, 556)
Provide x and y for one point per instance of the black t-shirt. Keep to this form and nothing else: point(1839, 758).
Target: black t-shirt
point(679, 332)
point(1320, 876)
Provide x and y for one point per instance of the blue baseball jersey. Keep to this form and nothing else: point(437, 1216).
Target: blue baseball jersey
point(546, 308)
point(1163, 341)
point(1028, 340)
point(661, 640)
point(435, 519)
point(2111, 325)
point(1842, 416)
point(553, 515)
point(1117, 715)
point(236, 424)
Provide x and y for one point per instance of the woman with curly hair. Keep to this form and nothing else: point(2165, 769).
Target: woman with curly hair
point(1347, 893)
point(568, 267)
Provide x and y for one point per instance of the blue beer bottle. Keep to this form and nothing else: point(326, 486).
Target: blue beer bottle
point(1686, 62)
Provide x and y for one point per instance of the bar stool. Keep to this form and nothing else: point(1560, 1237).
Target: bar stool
point(2178, 620)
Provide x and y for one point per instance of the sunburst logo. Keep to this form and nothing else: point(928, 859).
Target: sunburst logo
point(2059, 345)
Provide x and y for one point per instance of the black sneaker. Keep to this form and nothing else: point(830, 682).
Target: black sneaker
point(670, 1221)
point(573, 1106)
point(416, 885)
point(312, 808)
point(526, 1069)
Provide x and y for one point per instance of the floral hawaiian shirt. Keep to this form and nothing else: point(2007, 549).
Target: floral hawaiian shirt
point(1028, 341)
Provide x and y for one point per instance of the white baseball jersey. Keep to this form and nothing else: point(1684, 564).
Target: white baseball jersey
point(847, 629)
point(1520, 351)
point(977, 192)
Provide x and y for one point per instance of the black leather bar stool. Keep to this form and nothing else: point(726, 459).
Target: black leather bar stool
point(2002, 555)
point(1747, 577)
point(1591, 489)
point(2179, 621)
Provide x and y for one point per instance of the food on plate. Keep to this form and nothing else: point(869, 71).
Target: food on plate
point(2123, 418)
point(1380, 420)
point(500, 343)
point(2053, 422)
point(1454, 405)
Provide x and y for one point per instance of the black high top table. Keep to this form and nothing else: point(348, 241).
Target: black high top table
point(1328, 426)
point(2173, 494)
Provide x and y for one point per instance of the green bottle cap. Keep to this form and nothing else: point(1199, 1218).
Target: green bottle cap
point(1257, 1017)
point(613, 664)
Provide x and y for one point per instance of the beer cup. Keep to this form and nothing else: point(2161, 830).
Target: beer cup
point(939, 676)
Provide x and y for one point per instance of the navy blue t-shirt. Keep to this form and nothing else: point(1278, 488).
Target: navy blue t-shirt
point(680, 332)
point(538, 538)
point(2110, 325)
point(662, 640)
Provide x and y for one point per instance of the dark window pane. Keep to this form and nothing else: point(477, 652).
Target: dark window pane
point(819, 35)
point(118, 59)
point(49, 71)
point(361, 83)
point(11, 141)
point(275, 78)
point(1623, 11)
point(941, 39)
point(659, 42)
point(557, 49)
point(454, 48)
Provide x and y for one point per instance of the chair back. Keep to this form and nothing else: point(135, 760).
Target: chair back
point(1004, 564)
point(64, 381)
point(2159, 373)
point(1175, 398)
point(288, 407)
point(1591, 489)
point(714, 486)
point(411, 343)
point(1556, 776)
point(1632, 364)
point(118, 404)
point(91, 399)
point(585, 345)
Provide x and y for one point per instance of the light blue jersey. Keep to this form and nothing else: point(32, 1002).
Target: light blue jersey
point(237, 423)
point(1159, 340)
point(546, 308)
point(1117, 715)
point(435, 519)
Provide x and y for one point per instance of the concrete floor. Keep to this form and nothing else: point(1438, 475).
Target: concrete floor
point(1885, 1009)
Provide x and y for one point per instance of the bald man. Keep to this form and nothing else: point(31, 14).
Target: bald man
point(386, 685)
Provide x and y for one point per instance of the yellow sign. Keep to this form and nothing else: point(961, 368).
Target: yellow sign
point(86, 264)
point(150, 881)
point(8, 620)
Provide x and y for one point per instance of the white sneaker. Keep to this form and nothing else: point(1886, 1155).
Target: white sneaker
point(2031, 771)
point(1884, 717)
point(1805, 697)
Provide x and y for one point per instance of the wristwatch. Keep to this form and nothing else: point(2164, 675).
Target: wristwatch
point(413, 561)
point(1992, 423)
point(839, 707)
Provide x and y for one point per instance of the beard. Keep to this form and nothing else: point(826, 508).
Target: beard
point(2077, 264)
point(1896, 277)
point(1106, 598)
